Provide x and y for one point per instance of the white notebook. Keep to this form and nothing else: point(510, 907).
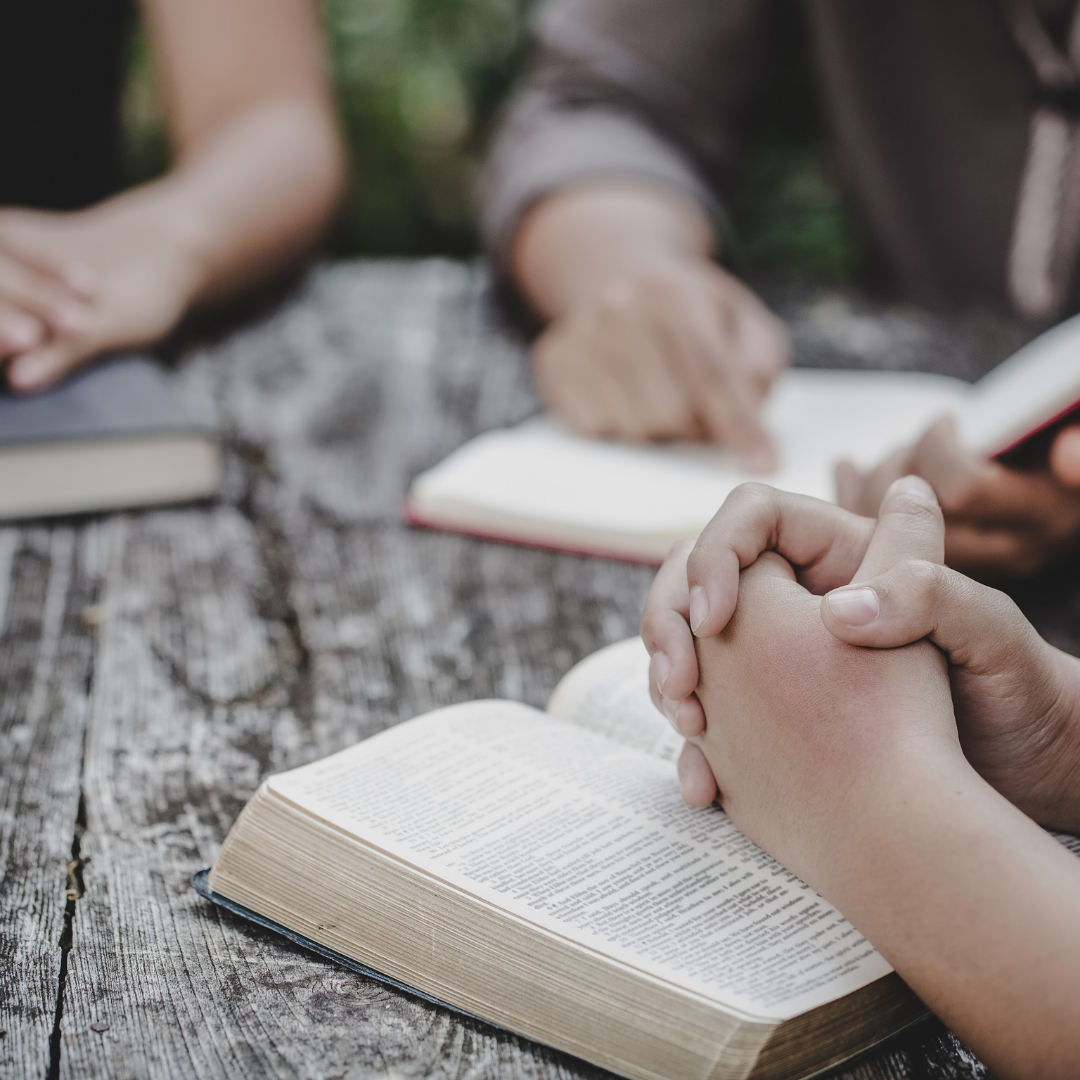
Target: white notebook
point(540, 484)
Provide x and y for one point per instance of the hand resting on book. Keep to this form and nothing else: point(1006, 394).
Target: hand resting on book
point(845, 764)
point(1001, 522)
point(647, 337)
point(256, 177)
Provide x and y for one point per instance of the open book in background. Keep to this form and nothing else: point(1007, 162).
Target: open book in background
point(117, 434)
point(540, 871)
point(540, 484)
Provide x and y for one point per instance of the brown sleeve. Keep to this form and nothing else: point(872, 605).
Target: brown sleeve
point(643, 89)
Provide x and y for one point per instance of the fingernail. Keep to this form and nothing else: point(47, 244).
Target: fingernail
point(21, 331)
point(28, 371)
point(671, 708)
point(854, 607)
point(661, 669)
point(699, 607)
point(914, 485)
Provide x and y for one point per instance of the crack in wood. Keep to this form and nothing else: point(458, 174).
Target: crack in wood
point(179, 679)
point(75, 890)
point(279, 562)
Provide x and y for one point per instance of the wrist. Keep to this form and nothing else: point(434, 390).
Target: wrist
point(1054, 801)
point(881, 807)
point(579, 241)
point(188, 244)
point(163, 218)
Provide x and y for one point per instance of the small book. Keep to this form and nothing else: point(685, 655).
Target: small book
point(540, 484)
point(115, 435)
point(539, 870)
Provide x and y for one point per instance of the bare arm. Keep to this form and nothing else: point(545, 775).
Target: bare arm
point(576, 239)
point(974, 905)
point(259, 167)
point(257, 175)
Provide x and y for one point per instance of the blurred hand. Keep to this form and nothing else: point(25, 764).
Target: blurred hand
point(41, 296)
point(1000, 522)
point(647, 337)
point(74, 285)
point(671, 348)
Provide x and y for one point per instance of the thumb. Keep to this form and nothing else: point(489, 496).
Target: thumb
point(1065, 456)
point(917, 598)
point(910, 525)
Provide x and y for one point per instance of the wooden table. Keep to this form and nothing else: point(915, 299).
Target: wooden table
point(156, 666)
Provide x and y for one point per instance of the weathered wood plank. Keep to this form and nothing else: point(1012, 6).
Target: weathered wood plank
point(45, 657)
point(298, 615)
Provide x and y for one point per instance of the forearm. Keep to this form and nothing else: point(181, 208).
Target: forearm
point(973, 904)
point(247, 198)
point(575, 240)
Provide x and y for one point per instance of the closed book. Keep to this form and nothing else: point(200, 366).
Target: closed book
point(118, 434)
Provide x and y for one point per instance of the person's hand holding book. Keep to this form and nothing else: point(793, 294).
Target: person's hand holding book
point(118, 275)
point(1001, 522)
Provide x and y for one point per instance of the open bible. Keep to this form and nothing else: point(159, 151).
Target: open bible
point(539, 870)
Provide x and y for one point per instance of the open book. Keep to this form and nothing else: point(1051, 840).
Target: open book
point(539, 870)
point(540, 484)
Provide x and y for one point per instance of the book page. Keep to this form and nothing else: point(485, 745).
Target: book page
point(540, 481)
point(608, 692)
point(590, 840)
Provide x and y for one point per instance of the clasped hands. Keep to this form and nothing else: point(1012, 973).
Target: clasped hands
point(831, 653)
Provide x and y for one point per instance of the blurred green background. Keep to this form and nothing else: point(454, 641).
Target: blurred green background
point(419, 85)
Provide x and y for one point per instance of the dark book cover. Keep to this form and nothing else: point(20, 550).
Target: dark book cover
point(122, 397)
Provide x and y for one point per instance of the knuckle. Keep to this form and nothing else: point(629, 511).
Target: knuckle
point(679, 552)
point(753, 495)
point(697, 565)
point(913, 504)
point(925, 578)
point(651, 626)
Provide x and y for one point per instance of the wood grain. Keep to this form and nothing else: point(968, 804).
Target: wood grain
point(45, 665)
point(288, 619)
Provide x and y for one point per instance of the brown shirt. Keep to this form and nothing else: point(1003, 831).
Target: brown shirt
point(930, 103)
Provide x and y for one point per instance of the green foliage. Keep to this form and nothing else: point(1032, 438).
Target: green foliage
point(147, 146)
point(789, 213)
point(419, 84)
